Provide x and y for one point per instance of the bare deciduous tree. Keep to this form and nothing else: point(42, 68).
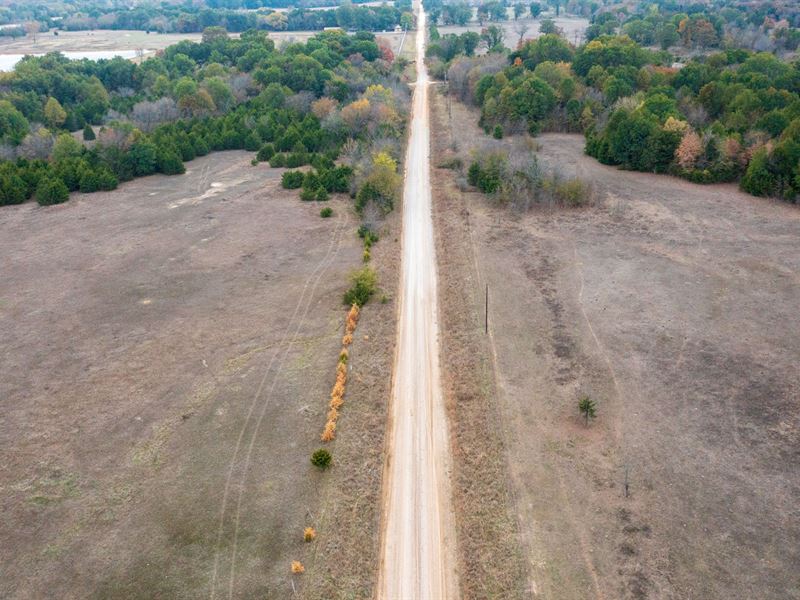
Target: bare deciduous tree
point(301, 101)
point(32, 28)
point(7, 151)
point(521, 28)
point(114, 137)
point(148, 115)
point(37, 144)
point(241, 84)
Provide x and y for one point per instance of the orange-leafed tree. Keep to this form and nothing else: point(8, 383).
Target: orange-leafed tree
point(689, 150)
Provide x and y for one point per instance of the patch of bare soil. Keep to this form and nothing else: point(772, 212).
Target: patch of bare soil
point(490, 560)
point(673, 306)
point(169, 349)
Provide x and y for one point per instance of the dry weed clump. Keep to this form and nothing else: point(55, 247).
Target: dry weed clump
point(297, 567)
point(329, 432)
point(339, 387)
point(309, 534)
point(338, 390)
point(352, 319)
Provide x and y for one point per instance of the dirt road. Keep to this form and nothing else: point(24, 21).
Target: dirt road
point(416, 535)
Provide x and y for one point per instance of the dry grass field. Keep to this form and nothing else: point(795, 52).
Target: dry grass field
point(108, 40)
point(168, 352)
point(572, 28)
point(673, 306)
point(96, 40)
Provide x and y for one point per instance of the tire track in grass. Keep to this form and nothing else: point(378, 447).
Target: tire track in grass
point(322, 264)
point(242, 483)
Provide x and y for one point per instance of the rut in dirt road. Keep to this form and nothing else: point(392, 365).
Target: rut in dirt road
point(418, 539)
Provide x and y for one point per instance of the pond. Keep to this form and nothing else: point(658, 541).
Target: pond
point(7, 61)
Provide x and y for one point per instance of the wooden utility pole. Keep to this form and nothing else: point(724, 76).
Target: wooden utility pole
point(626, 480)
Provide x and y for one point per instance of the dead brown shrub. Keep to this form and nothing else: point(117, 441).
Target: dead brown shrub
point(329, 432)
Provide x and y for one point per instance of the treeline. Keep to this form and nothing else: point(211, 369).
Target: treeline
point(765, 26)
point(189, 18)
point(179, 20)
point(730, 116)
point(47, 10)
point(297, 106)
point(460, 12)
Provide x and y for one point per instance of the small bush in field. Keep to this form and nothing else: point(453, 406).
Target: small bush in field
point(573, 192)
point(364, 282)
point(473, 174)
point(265, 153)
point(497, 133)
point(454, 164)
point(321, 194)
point(343, 355)
point(321, 459)
point(366, 233)
point(278, 160)
point(296, 159)
point(366, 256)
point(370, 238)
point(291, 180)
point(326, 212)
point(307, 195)
point(588, 408)
point(311, 180)
point(297, 567)
point(309, 534)
point(254, 162)
point(51, 191)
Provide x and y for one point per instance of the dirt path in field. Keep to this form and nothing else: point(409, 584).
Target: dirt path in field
point(282, 356)
point(417, 533)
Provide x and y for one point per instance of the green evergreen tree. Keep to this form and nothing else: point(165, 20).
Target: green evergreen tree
point(51, 190)
point(587, 408)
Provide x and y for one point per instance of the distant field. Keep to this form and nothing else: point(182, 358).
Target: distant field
point(107, 40)
point(573, 29)
point(100, 39)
